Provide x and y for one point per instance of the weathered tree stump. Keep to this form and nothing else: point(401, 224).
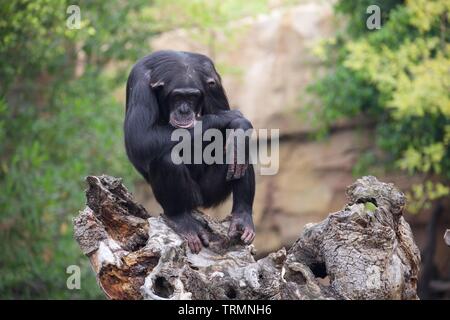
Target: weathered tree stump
point(364, 251)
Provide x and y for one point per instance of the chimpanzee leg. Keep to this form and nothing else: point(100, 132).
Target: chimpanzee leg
point(178, 195)
point(243, 196)
point(215, 189)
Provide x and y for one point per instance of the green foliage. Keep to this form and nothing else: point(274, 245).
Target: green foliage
point(204, 14)
point(59, 122)
point(398, 77)
point(356, 12)
point(369, 206)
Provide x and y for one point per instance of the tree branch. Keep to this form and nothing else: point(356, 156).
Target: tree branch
point(364, 251)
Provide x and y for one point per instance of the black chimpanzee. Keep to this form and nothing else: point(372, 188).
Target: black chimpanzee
point(168, 90)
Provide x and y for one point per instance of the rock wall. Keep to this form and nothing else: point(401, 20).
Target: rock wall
point(268, 62)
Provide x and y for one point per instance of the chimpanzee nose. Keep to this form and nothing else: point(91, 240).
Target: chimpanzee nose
point(184, 109)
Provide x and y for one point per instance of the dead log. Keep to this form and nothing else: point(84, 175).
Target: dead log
point(364, 251)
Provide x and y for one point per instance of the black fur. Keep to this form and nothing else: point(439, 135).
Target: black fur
point(182, 188)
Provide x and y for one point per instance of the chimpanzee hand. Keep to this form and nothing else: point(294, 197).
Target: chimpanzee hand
point(220, 119)
point(242, 223)
point(235, 170)
point(235, 144)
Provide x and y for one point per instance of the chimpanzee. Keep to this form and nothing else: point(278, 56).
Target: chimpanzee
point(167, 90)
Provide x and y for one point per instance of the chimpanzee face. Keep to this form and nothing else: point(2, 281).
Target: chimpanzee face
point(182, 94)
point(184, 106)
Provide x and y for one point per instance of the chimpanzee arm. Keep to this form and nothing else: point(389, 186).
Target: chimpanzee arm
point(145, 142)
point(146, 138)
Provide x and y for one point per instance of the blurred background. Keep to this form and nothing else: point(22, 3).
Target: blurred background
point(349, 100)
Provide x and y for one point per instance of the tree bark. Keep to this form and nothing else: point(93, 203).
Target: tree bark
point(364, 251)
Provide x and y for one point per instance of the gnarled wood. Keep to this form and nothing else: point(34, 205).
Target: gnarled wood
point(364, 251)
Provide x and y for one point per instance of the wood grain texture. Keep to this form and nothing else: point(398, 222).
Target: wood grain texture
point(364, 251)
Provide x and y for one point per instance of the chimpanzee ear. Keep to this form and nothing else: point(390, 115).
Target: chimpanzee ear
point(157, 85)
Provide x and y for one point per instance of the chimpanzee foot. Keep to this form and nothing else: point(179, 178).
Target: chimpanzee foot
point(191, 230)
point(242, 223)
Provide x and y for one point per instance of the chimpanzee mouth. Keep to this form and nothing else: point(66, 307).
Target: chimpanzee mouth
point(185, 123)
